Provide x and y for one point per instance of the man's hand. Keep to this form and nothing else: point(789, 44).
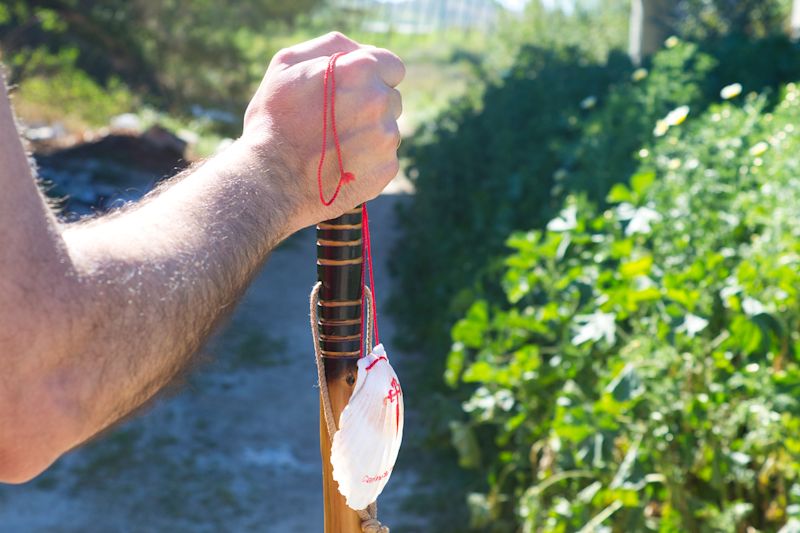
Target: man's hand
point(287, 109)
point(97, 316)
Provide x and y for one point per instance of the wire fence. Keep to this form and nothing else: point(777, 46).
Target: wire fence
point(422, 16)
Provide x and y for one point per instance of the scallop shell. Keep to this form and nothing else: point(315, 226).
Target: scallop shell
point(370, 432)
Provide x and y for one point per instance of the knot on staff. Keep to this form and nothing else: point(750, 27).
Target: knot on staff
point(369, 520)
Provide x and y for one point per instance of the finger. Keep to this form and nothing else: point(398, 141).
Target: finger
point(392, 133)
point(375, 61)
point(391, 68)
point(395, 103)
point(323, 46)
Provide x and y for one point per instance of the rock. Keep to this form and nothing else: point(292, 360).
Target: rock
point(45, 133)
point(163, 139)
point(127, 122)
point(98, 175)
point(188, 136)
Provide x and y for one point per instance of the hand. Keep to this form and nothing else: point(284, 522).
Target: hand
point(284, 120)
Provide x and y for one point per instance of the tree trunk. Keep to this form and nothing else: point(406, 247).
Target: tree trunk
point(649, 27)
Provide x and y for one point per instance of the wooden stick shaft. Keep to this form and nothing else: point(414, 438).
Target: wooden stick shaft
point(339, 264)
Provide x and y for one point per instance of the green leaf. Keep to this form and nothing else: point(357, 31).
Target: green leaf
point(626, 385)
point(639, 267)
point(466, 444)
point(642, 181)
point(455, 364)
point(470, 329)
point(479, 372)
point(619, 193)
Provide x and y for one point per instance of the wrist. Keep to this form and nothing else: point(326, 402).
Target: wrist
point(262, 173)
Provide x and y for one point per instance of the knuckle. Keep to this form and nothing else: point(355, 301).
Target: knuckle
point(337, 37)
point(284, 56)
point(366, 61)
point(391, 61)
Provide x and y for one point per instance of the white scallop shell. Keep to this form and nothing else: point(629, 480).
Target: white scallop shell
point(370, 432)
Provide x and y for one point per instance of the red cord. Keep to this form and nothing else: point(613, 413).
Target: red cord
point(368, 261)
point(363, 296)
point(344, 178)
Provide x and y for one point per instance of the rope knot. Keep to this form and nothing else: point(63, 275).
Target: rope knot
point(372, 525)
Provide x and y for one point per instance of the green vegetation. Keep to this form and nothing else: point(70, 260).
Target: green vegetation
point(58, 91)
point(79, 63)
point(643, 367)
point(585, 391)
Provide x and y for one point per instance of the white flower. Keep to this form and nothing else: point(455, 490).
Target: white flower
point(567, 221)
point(759, 148)
point(588, 102)
point(671, 42)
point(677, 115)
point(731, 91)
point(752, 307)
point(661, 128)
point(626, 211)
point(674, 118)
point(692, 325)
point(595, 327)
point(641, 220)
point(639, 74)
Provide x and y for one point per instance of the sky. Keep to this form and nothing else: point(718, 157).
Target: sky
point(519, 5)
point(515, 5)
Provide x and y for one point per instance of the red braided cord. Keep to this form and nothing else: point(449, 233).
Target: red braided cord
point(344, 177)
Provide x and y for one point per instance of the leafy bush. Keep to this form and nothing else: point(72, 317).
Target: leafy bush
point(56, 90)
point(557, 122)
point(642, 371)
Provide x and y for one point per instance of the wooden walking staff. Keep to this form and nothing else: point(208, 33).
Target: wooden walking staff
point(339, 269)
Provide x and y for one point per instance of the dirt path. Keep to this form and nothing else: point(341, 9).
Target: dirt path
point(236, 448)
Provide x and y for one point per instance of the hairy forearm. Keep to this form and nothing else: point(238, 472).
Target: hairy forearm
point(152, 281)
point(99, 315)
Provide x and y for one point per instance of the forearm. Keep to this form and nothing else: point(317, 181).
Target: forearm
point(97, 316)
point(152, 282)
point(35, 270)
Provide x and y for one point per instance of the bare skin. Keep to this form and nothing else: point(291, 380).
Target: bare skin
point(96, 317)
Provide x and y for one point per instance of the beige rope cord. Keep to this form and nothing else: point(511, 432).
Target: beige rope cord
point(368, 516)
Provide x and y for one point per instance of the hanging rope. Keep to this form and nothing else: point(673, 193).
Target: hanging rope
point(368, 516)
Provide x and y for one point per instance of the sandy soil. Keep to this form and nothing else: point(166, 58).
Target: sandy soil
point(235, 448)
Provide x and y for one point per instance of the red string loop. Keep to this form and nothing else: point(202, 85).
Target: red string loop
point(329, 79)
point(344, 177)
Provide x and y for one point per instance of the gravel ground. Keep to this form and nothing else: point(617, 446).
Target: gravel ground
point(234, 448)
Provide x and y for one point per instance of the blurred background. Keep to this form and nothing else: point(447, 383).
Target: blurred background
point(594, 249)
